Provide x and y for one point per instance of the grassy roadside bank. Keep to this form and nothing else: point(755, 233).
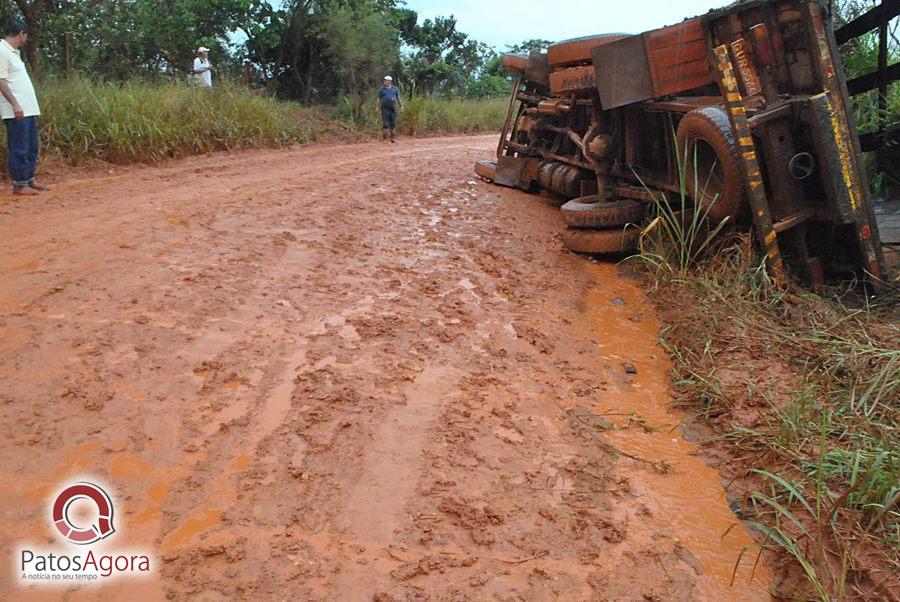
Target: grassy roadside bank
point(426, 116)
point(797, 395)
point(145, 122)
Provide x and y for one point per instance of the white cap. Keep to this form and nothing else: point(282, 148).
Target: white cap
point(203, 49)
point(388, 78)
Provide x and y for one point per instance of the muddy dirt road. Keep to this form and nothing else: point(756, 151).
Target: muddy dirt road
point(345, 373)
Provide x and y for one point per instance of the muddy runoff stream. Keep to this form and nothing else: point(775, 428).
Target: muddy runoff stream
point(689, 496)
point(361, 376)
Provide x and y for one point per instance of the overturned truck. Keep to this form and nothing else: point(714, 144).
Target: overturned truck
point(750, 100)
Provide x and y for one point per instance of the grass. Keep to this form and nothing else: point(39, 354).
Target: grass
point(140, 121)
point(424, 115)
point(146, 122)
point(679, 233)
point(804, 391)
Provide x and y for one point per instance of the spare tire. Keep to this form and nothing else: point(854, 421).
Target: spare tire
point(596, 212)
point(578, 50)
point(601, 241)
point(705, 139)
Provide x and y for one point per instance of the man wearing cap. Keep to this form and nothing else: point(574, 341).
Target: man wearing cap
point(202, 69)
point(19, 109)
point(389, 102)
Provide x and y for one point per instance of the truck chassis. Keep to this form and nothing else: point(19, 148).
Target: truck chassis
point(745, 110)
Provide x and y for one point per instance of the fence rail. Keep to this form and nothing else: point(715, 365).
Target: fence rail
point(883, 141)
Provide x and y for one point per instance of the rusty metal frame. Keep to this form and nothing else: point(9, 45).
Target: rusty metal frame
point(501, 147)
point(762, 219)
point(837, 99)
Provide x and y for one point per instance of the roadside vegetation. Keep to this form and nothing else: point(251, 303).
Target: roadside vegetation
point(802, 391)
point(427, 115)
point(139, 121)
point(145, 122)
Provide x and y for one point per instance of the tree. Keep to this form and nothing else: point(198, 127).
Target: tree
point(31, 11)
point(360, 41)
point(529, 46)
point(312, 50)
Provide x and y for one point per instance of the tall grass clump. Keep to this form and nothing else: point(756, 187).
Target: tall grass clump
point(143, 121)
point(679, 233)
point(426, 116)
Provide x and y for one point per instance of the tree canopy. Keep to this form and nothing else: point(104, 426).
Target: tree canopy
point(313, 50)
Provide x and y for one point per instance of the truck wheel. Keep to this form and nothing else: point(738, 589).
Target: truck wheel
point(601, 241)
point(594, 212)
point(578, 50)
point(705, 138)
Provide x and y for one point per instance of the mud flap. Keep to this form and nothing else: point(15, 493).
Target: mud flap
point(515, 172)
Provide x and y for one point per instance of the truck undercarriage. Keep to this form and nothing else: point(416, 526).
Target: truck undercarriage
point(743, 110)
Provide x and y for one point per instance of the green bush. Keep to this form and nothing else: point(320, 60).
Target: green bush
point(142, 121)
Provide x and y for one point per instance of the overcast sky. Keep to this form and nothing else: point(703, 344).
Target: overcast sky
point(502, 23)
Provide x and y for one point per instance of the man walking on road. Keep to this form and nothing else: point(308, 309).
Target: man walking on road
point(202, 69)
point(19, 110)
point(389, 101)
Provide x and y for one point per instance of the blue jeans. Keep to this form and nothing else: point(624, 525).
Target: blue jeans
point(22, 141)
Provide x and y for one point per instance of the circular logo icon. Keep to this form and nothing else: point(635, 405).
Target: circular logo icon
point(78, 534)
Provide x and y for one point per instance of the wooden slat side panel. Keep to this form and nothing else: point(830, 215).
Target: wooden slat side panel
point(677, 57)
point(673, 35)
point(670, 77)
point(688, 52)
point(687, 83)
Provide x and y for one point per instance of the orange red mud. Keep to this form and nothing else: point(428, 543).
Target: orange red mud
point(345, 373)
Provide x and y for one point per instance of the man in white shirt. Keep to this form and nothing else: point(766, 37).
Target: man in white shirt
point(19, 110)
point(202, 69)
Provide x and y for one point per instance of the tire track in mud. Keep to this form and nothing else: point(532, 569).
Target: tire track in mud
point(332, 373)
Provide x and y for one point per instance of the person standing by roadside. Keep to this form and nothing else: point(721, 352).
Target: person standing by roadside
point(389, 102)
point(202, 69)
point(19, 110)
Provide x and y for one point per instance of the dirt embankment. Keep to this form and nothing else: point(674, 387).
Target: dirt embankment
point(346, 373)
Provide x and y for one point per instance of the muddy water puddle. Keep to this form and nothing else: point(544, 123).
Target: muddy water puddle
point(689, 498)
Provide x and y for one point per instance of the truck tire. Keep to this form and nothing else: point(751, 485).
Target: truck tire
point(573, 80)
point(595, 212)
point(601, 241)
point(486, 169)
point(705, 136)
point(578, 50)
